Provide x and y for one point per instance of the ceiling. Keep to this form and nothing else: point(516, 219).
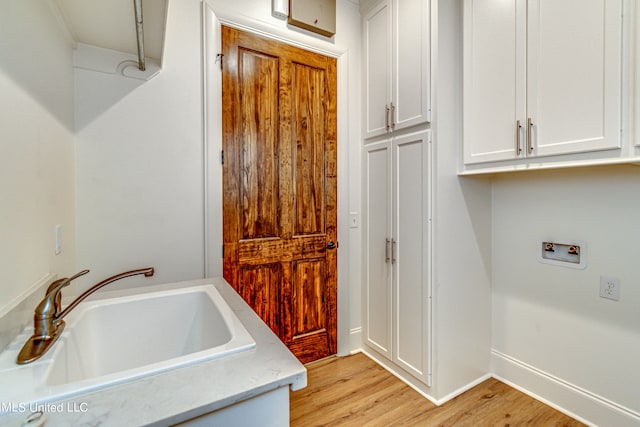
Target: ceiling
point(111, 24)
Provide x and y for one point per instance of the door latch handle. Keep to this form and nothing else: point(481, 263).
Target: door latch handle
point(332, 245)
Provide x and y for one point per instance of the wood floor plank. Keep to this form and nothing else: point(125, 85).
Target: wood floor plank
point(356, 391)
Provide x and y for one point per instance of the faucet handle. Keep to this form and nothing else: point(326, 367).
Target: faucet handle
point(57, 299)
point(59, 284)
point(75, 276)
point(51, 305)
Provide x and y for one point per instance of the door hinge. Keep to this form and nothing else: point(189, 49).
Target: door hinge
point(219, 58)
point(222, 157)
point(222, 251)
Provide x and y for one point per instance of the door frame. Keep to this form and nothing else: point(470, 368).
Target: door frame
point(213, 17)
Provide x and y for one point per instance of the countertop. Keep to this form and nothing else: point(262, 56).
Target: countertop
point(184, 393)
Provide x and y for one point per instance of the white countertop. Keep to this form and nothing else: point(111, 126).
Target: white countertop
point(180, 394)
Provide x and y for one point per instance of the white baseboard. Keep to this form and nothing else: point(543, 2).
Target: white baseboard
point(583, 405)
point(578, 403)
point(397, 372)
point(462, 389)
point(414, 383)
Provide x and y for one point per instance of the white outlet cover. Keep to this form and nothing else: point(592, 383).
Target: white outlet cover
point(610, 288)
point(57, 231)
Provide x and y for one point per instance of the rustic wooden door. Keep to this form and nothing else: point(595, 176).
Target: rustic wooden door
point(279, 180)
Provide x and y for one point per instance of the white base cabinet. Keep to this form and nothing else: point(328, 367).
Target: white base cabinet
point(270, 409)
point(397, 229)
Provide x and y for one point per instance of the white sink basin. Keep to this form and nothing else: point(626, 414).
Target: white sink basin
point(124, 338)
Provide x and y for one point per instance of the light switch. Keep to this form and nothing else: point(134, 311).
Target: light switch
point(354, 220)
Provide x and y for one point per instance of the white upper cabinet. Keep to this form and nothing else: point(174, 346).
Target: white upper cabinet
point(396, 50)
point(377, 62)
point(541, 78)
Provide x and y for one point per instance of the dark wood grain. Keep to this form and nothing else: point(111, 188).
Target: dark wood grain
point(280, 187)
point(309, 137)
point(258, 86)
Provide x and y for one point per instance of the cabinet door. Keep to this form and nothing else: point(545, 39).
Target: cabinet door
point(411, 72)
point(377, 63)
point(494, 79)
point(377, 220)
point(574, 91)
point(411, 255)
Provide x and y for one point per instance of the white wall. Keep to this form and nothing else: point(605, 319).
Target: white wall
point(462, 229)
point(36, 148)
point(139, 145)
point(140, 155)
point(551, 318)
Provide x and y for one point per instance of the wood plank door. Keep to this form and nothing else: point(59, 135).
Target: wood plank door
point(279, 184)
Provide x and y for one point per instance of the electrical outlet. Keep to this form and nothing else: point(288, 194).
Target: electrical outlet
point(610, 288)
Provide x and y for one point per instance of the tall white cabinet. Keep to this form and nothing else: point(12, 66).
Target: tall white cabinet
point(397, 251)
point(396, 58)
point(425, 284)
point(396, 179)
point(541, 78)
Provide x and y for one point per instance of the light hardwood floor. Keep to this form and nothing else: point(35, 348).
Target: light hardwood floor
point(355, 391)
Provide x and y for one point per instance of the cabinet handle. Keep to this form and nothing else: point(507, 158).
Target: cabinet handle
point(386, 250)
point(518, 146)
point(393, 116)
point(386, 117)
point(393, 251)
point(529, 140)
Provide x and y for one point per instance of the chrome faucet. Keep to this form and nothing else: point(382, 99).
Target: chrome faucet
point(47, 319)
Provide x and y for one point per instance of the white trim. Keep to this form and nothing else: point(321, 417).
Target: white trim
point(406, 378)
point(212, 146)
point(634, 119)
point(463, 389)
point(560, 394)
point(214, 16)
point(418, 385)
point(342, 229)
point(204, 81)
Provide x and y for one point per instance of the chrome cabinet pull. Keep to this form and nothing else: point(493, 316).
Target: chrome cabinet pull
point(518, 146)
point(386, 117)
point(386, 250)
point(393, 251)
point(529, 140)
point(393, 116)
